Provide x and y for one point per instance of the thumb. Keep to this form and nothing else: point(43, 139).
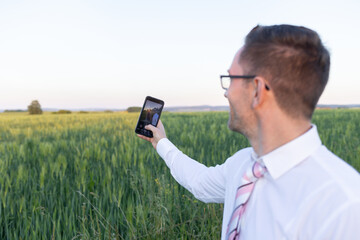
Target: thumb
point(150, 127)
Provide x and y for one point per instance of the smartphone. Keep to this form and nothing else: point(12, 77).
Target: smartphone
point(150, 114)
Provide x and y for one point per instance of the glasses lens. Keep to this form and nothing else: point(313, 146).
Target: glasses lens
point(225, 82)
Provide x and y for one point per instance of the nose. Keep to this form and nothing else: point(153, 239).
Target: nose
point(226, 94)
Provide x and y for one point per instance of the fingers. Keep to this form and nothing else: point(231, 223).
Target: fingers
point(161, 126)
point(150, 127)
point(144, 137)
point(158, 133)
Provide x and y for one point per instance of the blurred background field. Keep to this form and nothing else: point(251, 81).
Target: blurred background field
point(88, 176)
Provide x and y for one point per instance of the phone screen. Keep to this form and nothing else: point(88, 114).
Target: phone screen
point(150, 114)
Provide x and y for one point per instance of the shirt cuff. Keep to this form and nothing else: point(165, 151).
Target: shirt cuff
point(163, 147)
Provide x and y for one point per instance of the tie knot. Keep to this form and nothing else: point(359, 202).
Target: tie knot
point(258, 170)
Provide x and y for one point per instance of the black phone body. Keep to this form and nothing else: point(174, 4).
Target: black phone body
point(150, 114)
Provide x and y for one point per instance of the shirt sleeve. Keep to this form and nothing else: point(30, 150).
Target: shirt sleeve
point(206, 183)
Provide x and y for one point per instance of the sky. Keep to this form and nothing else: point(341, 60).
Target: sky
point(74, 54)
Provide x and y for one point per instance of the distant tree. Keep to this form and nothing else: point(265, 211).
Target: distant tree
point(108, 111)
point(63, 111)
point(133, 109)
point(16, 110)
point(35, 108)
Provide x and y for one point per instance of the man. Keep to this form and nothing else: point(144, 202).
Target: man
point(287, 185)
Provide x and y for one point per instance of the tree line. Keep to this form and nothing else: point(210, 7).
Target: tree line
point(35, 108)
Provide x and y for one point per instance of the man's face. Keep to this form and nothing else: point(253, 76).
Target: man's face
point(239, 96)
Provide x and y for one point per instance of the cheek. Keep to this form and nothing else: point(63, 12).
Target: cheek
point(230, 93)
point(234, 96)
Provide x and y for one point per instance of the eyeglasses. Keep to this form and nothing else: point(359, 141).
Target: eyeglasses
point(225, 80)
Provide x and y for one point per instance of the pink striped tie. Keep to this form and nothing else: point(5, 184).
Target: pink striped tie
point(242, 196)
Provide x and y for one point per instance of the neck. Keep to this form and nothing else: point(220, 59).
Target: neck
point(272, 133)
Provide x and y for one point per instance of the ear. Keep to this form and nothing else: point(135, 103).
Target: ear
point(259, 92)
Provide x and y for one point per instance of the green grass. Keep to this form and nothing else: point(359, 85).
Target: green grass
point(87, 176)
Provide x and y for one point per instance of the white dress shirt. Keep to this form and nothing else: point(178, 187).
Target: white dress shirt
point(307, 192)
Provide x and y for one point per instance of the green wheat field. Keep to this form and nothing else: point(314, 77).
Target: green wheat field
point(88, 176)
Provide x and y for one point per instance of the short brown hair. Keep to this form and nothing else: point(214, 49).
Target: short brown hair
point(293, 60)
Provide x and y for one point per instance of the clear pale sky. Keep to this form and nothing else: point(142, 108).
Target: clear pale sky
point(111, 54)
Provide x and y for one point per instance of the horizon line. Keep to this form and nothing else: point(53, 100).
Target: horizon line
point(47, 109)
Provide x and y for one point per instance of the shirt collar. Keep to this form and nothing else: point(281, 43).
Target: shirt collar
point(284, 158)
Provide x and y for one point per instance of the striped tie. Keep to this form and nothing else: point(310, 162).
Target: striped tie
point(242, 196)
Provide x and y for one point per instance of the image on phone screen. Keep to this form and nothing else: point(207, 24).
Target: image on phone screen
point(150, 114)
